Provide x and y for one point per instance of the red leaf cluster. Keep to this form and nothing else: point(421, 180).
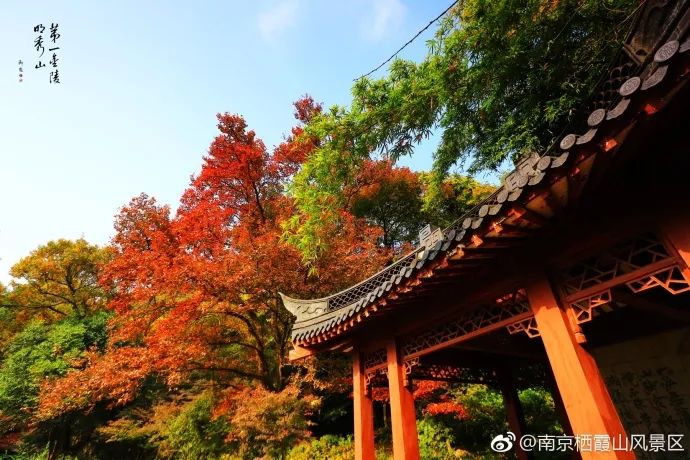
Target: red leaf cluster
point(431, 395)
point(445, 407)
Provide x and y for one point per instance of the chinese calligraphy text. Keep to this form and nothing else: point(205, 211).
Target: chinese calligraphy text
point(54, 35)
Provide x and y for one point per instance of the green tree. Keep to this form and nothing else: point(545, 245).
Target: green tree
point(501, 78)
point(41, 351)
point(486, 416)
point(194, 434)
point(435, 440)
point(328, 446)
point(445, 202)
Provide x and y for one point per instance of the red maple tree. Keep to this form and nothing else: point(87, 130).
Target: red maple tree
point(196, 294)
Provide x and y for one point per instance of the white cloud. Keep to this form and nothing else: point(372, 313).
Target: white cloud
point(275, 20)
point(385, 15)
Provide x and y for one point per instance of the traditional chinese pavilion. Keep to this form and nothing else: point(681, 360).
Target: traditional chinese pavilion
point(579, 263)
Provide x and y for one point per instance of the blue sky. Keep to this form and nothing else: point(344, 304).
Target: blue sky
point(141, 83)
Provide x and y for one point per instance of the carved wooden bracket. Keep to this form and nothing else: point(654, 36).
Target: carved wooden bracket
point(408, 364)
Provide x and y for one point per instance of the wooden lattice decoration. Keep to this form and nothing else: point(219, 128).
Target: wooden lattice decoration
point(670, 278)
point(617, 261)
point(528, 326)
point(454, 373)
point(514, 306)
point(375, 359)
point(583, 308)
point(640, 264)
point(444, 372)
point(416, 369)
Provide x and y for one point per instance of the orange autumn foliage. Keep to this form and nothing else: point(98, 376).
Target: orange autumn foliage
point(196, 294)
point(265, 424)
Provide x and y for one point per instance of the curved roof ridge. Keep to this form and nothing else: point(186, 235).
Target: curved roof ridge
point(343, 298)
point(290, 302)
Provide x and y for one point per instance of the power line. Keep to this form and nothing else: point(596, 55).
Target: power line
point(409, 41)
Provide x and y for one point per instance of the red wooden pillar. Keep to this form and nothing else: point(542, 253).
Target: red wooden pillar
point(559, 406)
point(364, 412)
point(514, 413)
point(585, 397)
point(561, 412)
point(403, 422)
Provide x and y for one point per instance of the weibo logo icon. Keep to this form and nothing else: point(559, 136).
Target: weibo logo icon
point(503, 443)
